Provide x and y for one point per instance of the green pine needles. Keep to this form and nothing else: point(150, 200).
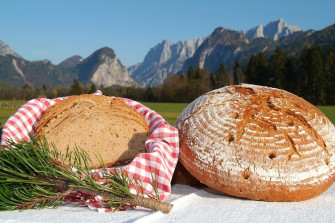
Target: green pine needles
point(34, 176)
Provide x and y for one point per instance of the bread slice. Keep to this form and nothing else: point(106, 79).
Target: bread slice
point(98, 124)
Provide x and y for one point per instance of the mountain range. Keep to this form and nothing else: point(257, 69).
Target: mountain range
point(163, 59)
point(225, 46)
point(103, 67)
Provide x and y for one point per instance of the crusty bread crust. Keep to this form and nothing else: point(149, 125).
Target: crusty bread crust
point(258, 143)
point(98, 124)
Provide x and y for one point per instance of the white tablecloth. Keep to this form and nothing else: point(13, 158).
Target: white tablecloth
point(193, 205)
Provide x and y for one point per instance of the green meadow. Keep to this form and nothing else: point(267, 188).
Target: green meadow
point(329, 111)
point(170, 111)
point(8, 108)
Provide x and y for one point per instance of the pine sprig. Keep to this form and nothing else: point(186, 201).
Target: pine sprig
point(32, 175)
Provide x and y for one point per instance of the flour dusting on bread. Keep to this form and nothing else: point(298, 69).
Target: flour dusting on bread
point(258, 142)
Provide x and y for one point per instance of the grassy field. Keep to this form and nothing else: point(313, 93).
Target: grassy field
point(329, 111)
point(7, 108)
point(169, 111)
point(11, 103)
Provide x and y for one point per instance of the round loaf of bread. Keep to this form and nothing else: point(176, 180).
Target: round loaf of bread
point(98, 124)
point(258, 143)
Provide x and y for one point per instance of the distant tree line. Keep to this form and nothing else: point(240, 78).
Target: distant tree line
point(310, 75)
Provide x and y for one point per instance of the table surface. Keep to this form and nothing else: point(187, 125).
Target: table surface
point(193, 205)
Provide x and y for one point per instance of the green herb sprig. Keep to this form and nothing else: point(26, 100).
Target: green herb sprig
point(32, 175)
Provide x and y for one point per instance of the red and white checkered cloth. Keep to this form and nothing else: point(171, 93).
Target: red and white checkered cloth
point(159, 161)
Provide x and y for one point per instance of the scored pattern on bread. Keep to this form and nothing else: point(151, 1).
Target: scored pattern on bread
point(258, 142)
point(98, 124)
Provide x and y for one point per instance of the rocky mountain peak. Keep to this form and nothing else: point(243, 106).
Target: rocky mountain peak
point(256, 32)
point(100, 55)
point(159, 53)
point(226, 37)
point(163, 59)
point(221, 46)
point(6, 50)
point(104, 52)
point(104, 68)
point(273, 30)
point(71, 62)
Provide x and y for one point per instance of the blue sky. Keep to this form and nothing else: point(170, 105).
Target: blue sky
point(56, 30)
